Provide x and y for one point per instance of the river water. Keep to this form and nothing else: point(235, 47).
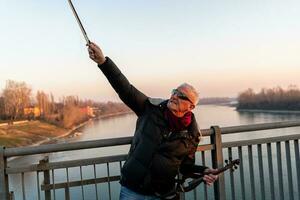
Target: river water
point(121, 126)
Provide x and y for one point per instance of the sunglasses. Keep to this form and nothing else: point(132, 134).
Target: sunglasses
point(181, 95)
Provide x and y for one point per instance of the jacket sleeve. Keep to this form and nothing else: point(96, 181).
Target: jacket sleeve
point(131, 96)
point(188, 165)
point(188, 169)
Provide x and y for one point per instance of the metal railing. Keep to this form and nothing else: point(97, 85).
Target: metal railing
point(269, 169)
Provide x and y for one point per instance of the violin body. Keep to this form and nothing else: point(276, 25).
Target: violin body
point(197, 179)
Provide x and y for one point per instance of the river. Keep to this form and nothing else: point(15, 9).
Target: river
point(124, 125)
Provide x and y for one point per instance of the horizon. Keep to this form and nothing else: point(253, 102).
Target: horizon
point(221, 48)
point(212, 98)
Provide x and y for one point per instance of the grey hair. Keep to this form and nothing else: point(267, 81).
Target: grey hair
point(191, 89)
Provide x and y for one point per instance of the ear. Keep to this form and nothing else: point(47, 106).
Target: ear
point(192, 107)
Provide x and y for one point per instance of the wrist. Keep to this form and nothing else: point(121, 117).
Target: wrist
point(101, 61)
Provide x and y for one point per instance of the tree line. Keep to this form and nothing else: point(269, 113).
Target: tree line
point(18, 103)
point(270, 99)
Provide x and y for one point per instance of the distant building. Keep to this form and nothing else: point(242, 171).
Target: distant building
point(89, 111)
point(32, 111)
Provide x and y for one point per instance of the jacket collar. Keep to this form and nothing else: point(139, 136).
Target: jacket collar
point(162, 103)
point(157, 101)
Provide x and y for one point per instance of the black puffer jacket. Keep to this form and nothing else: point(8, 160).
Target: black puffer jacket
point(156, 154)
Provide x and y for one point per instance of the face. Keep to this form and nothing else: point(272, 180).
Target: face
point(179, 102)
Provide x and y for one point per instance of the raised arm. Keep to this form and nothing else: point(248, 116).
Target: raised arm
point(131, 96)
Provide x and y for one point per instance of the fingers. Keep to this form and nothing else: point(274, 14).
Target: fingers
point(93, 45)
point(92, 56)
point(210, 179)
point(92, 49)
point(95, 53)
point(91, 53)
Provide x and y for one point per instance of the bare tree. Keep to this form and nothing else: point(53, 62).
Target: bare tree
point(71, 101)
point(43, 103)
point(16, 98)
point(52, 104)
point(2, 108)
point(72, 113)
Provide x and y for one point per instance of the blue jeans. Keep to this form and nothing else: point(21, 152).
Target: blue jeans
point(127, 194)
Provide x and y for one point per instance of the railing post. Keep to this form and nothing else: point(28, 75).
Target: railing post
point(4, 192)
point(11, 196)
point(67, 193)
point(44, 162)
point(217, 162)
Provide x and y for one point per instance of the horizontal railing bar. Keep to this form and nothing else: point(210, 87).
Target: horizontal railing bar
point(66, 164)
point(79, 183)
point(206, 147)
point(259, 127)
point(50, 148)
point(261, 141)
point(206, 132)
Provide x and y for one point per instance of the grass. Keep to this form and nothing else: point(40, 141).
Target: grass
point(28, 133)
point(10, 142)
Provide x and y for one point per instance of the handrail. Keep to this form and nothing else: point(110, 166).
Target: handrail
point(50, 148)
point(259, 127)
point(65, 164)
point(99, 160)
point(261, 141)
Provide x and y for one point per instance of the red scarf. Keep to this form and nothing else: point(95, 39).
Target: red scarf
point(178, 123)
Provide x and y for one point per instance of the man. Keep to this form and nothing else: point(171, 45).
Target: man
point(165, 139)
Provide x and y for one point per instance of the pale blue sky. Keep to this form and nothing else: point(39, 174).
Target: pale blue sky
point(221, 47)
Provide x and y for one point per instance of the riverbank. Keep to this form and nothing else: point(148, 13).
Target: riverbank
point(31, 132)
point(34, 133)
point(269, 111)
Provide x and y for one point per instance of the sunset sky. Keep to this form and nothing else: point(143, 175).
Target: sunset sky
point(220, 47)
